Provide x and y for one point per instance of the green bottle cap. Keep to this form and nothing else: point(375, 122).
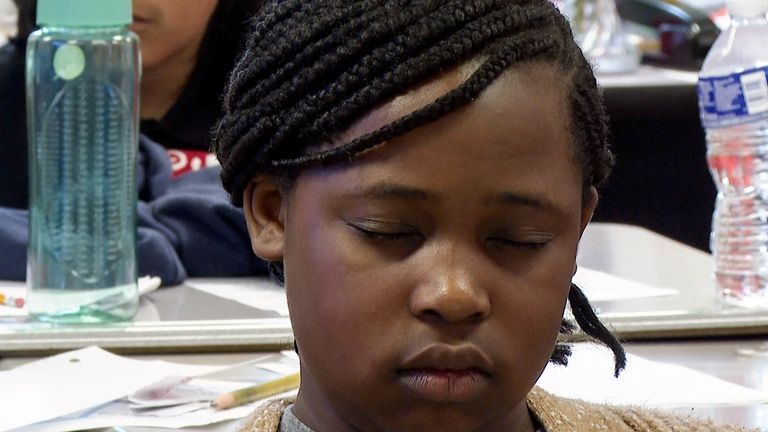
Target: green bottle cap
point(84, 13)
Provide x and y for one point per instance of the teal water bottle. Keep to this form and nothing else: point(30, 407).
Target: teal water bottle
point(83, 72)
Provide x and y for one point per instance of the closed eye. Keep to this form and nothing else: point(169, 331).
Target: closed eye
point(530, 243)
point(377, 231)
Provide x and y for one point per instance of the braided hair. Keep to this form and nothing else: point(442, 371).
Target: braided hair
point(311, 68)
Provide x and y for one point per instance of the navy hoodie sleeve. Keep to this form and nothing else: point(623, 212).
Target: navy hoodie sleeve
point(13, 243)
point(186, 227)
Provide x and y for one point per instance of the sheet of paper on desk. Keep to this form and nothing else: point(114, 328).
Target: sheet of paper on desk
point(74, 381)
point(601, 286)
point(589, 376)
point(118, 413)
point(115, 407)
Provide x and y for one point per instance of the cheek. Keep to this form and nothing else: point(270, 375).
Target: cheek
point(158, 45)
point(345, 308)
point(539, 318)
point(182, 25)
point(530, 310)
point(551, 284)
point(189, 24)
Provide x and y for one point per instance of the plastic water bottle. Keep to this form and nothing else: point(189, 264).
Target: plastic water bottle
point(733, 102)
point(83, 71)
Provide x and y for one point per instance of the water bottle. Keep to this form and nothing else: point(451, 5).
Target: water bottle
point(83, 71)
point(733, 103)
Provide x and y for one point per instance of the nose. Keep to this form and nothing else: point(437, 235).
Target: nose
point(450, 292)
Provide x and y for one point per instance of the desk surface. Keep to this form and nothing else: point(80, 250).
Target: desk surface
point(643, 256)
point(723, 360)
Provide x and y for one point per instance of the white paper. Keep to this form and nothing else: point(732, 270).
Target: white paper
point(77, 380)
point(170, 391)
point(118, 413)
point(260, 293)
point(589, 376)
point(600, 286)
point(102, 391)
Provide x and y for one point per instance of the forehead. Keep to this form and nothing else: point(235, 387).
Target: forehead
point(513, 137)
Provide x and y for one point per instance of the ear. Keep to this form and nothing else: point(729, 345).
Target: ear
point(587, 210)
point(263, 206)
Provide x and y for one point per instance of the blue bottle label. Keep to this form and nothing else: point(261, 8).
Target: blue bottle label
point(734, 99)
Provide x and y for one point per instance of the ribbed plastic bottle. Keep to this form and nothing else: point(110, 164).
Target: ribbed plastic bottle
point(83, 72)
point(733, 103)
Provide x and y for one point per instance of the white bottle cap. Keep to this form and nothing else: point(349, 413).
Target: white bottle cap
point(747, 8)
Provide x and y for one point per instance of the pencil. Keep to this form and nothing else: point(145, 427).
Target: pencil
point(256, 392)
point(17, 302)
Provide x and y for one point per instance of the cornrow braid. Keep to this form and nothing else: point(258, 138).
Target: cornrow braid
point(591, 325)
point(459, 96)
point(311, 68)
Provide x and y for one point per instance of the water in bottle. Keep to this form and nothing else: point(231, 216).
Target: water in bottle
point(83, 69)
point(733, 102)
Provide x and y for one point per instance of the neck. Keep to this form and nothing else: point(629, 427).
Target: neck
point(163, 83)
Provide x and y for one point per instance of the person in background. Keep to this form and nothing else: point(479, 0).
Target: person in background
point(188, 49)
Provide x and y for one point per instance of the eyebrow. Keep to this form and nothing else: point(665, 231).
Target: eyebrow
point(383, 191)
point(509, 198)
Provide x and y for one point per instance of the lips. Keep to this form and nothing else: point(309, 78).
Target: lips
point(446, 373)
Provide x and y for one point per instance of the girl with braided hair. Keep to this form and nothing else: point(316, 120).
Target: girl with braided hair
point(419, 173)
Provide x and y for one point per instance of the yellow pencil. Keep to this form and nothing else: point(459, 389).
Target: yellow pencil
point(256, 392)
